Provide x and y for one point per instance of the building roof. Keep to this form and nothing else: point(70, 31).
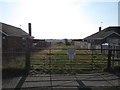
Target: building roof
point(9, 30)
point(78, 40)
point(105, 33)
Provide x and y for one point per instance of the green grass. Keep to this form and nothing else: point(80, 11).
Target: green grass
point(43, 64)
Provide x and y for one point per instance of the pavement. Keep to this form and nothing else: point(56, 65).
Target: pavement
point(10, 83)
point(67, 82)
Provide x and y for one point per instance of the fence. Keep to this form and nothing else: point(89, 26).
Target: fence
point(56, 60)
point(13, 64)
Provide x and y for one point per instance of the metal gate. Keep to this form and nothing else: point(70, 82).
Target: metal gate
point(60, 65)
point(62, 59)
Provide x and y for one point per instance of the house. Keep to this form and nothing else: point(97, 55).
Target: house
point(39, 44)
point(81, 43)
point(108, 38)
point(13, 41)
point(12, 37)
point(110, 35)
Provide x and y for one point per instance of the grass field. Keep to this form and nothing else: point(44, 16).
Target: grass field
point(55, 60)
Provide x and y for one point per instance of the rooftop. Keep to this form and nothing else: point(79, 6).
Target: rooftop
point(13, 31)
point(105, 32)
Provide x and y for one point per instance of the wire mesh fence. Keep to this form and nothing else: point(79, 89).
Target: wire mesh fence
point(13, 64)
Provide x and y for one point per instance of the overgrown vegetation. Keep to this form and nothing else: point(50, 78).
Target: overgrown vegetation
point(56, 61)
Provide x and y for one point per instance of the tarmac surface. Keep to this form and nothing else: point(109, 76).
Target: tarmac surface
point(64, 81)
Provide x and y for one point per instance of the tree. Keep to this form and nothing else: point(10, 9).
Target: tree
point(67, 42)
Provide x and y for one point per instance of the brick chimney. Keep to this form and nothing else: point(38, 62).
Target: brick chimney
point(100, 29)
point(29, 28)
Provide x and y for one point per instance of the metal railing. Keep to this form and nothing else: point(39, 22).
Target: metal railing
point(56, 61)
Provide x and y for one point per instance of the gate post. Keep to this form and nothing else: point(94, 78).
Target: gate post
point(28, 50)
point(27, 56)
point(109, 60)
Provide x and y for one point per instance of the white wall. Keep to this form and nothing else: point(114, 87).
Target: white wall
point(0, 57)
point(82, 44)
point(54, 41)
point(0, 35)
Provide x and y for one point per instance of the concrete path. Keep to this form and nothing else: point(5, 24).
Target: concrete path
point(66, 82)
point(10, 82)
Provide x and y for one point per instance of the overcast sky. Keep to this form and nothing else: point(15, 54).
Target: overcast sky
point(59, 19)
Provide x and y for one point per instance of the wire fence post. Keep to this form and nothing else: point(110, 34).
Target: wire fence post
point(109, 60)
point(92, 60)
point(50, 66)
